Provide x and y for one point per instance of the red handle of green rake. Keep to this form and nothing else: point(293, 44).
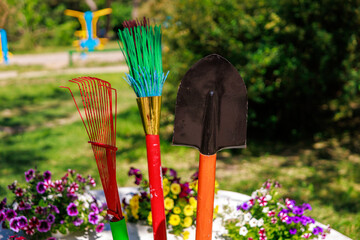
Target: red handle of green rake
point(206, 191)
point(156, 187)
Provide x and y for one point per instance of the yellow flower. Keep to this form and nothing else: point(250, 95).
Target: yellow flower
point(134, 200)
point(216, 209)
point(216, 186)
point(193, 202)
point(174, 219)
point(169, 203)
point(134, 212)
point(177, 210)
point(166, 190)
point(175, 188)
point(186, 235)
point(194, 185)
point(188, 210)
point(149, 218)
point(187, 222)
point(165, 182)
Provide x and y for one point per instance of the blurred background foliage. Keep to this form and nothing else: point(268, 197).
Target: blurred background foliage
point(299, 59)
point(39, 23)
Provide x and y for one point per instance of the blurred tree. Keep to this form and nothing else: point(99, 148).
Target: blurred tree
point(298, 58)
point(4, 12)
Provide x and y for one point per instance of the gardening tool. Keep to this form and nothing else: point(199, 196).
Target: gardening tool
point(97, 98)
point(210, 115)
point(141, 46)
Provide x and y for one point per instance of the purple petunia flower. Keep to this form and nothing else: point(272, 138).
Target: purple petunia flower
point(317, 230)
point(44, 226)
point(51, 218)
point(40, 210)
point(173, 173)
point(22, 221)
point(51, 238)
point(12, 186)
point(138, 179)
point(283, 211)
point(94, 208)
point(14, 224)
point(195, 176)
point(54, 209)
point(72, 210)
point(298, 210)
point(245, 206)
point(40, 187)
point(293, 231)
point(296, 219)
point(133, 171)
point(93, 218)
point(2, 216)
point(10, 214)
point(306, 206)
point(24, 206)
point(99, 228)
point(47, 175)
point(289, 220)
point(78, 222)
point(29, 175)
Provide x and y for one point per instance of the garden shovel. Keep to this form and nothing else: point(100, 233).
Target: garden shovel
point(210, 115)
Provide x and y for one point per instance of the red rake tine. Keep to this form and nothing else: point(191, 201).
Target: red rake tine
point(97, 99)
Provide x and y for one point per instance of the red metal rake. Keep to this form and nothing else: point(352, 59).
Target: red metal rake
point(97, 99)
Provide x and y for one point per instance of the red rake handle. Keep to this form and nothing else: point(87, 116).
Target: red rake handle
point(156, 187)
point(205, 206)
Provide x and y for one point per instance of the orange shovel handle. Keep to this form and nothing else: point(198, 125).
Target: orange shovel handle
point(206, 191)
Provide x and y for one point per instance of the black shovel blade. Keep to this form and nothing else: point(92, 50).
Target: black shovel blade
point(211, 107)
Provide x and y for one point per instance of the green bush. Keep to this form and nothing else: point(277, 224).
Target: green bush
point(296, 57)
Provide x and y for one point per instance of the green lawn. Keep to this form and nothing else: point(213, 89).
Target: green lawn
point(40, 128)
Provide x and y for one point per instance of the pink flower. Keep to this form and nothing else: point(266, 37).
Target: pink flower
point(262, 201)
point(33, 222)
point(100, 228)
point(284, 217)
point(92, 182)
point(273, 220)
point(73, 187)
point(306, 235)
point(48, 184)
point(19, 192)
point(251, 202)
point(271, 213)
point(289, 203)
point(29, 230)
point(262, 232)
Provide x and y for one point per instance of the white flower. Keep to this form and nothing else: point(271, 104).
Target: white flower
point(268, 197)
point(253, 222)
point(254, 194)
point(265, 210)
point(311, 227)
point(247, 217)
point(243, 231)
point(260, 222)
point(240, 223)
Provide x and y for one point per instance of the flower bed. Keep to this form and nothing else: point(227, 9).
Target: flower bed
point(44, 206)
